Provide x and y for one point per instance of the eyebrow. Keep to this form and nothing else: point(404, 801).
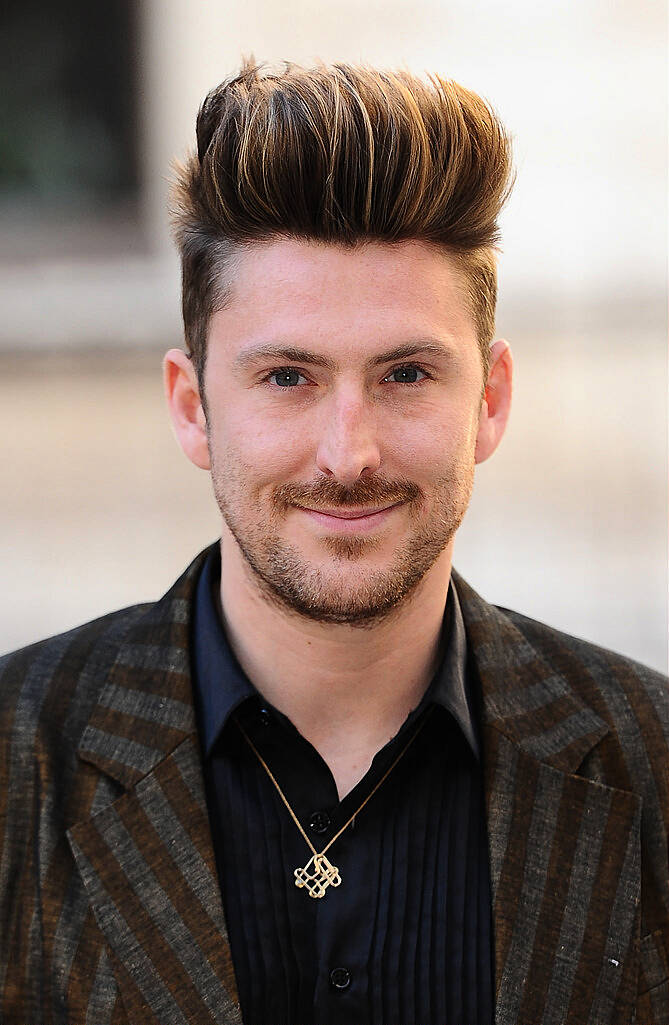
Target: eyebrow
point(290, 354)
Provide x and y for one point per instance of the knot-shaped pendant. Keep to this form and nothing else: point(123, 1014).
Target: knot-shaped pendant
point(317, 875)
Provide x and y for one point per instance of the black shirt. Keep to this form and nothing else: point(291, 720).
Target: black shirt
point(406, 938)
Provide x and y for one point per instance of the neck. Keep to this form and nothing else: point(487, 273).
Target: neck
point(346, 689)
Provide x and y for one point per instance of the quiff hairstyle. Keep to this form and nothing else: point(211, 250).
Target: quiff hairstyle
point(344, 155)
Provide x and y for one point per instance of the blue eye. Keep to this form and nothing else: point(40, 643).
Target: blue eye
point(287, 377)
point(405, 375)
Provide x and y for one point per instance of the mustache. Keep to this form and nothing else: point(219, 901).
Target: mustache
point(372, 491)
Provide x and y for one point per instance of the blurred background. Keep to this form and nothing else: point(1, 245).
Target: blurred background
point(101, 509)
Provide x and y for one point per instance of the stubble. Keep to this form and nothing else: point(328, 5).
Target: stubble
point(347, 589)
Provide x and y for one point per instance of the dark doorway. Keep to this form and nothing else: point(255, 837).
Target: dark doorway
point(68, 135)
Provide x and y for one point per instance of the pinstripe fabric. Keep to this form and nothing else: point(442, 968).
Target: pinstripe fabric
point(579, 866)
point(109, 903)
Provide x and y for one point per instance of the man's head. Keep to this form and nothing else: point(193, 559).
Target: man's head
point(337, 231)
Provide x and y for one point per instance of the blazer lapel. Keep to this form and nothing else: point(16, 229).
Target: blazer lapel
point(564, 850)
point(146, 859)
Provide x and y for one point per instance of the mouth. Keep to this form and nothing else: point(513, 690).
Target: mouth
point(350, 520)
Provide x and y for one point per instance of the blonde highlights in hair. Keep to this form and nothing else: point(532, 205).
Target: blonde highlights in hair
point(345, 155)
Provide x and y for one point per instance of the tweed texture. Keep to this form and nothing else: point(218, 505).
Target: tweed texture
point(110, 910)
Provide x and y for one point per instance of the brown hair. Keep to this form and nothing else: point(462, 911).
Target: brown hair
point(344, 155)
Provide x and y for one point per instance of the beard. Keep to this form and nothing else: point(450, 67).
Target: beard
point(347, 589)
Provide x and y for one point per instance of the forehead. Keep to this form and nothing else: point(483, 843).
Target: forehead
point(331, 295)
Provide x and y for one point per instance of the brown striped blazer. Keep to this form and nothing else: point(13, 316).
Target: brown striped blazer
point(110, 910)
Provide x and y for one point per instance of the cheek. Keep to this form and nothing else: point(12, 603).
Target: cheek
point(424, 450)
point(253, 451)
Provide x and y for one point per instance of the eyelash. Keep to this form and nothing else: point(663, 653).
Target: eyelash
point(402, 366)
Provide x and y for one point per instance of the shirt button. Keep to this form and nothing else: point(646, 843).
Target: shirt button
point(265, 717)
point(319, 822)
point(340, 978)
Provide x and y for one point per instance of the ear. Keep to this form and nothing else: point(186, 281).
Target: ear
point(183, 400)
point(496, 403)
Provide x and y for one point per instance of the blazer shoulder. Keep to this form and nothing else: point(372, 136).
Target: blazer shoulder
point(603, 678)
point(51, 671)
point(48, 690)
point(541, 634)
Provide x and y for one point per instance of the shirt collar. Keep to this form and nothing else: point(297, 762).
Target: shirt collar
point(451, 687)
point(220, 685)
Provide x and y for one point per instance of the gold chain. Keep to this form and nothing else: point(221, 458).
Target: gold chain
point(323, 873)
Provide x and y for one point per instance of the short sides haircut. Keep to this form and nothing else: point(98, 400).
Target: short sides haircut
point(344, 155)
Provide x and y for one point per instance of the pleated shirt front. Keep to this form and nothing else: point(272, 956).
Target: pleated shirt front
point(406, 937)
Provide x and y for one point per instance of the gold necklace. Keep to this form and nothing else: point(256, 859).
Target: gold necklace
point(319, 872)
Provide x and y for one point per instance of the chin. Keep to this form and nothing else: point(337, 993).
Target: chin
point(345, 588)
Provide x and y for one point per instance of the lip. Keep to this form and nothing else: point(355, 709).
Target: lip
point(350, 520)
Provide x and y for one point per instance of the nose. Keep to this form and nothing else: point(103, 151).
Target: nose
point(348, 447)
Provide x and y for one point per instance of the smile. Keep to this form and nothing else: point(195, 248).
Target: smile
point(350, 521)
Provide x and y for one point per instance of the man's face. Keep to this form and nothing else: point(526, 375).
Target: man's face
point(343, 392)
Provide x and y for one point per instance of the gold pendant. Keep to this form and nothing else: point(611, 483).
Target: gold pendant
point(323, 874)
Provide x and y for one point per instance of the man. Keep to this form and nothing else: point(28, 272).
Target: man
point(322, 781)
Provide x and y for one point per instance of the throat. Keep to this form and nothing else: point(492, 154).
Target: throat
point(349, 755)
point(347, 773)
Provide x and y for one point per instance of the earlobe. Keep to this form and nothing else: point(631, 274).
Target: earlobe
point(496, 404)
point(185, 406)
